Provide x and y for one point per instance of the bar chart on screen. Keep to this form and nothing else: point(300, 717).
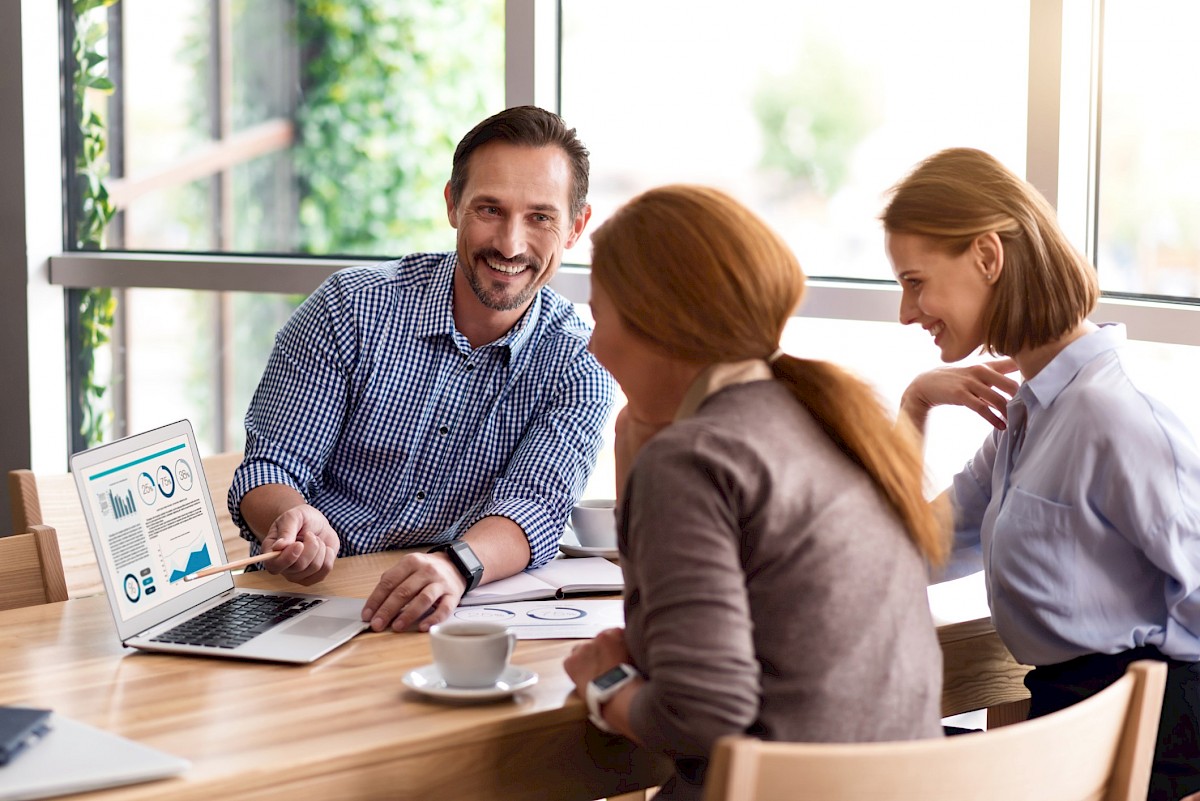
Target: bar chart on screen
point(122, 504)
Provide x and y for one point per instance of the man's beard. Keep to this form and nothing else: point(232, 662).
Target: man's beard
point(499, 300)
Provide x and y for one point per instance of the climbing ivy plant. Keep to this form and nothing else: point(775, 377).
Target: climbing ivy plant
point(94, 210)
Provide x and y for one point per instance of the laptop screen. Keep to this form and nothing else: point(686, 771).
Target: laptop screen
point(151, 510)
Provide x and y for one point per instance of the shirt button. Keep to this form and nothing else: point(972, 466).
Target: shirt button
point(443, 430)
point(470, 367)
point(421, 495)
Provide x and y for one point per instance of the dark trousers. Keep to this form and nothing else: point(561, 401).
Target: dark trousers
point(1176, 771)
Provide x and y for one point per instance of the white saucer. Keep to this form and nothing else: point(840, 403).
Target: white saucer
point(571, 549)
point(428, 680)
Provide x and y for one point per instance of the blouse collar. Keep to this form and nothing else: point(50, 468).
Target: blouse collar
point(716, 377)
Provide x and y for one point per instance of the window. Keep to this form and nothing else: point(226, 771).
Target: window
point(273, 126)
point(289, 126)
point(807, 111)
point(1149, 203)
point(198, 355)
point(662, 91)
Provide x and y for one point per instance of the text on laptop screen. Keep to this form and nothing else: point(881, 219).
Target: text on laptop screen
point(153, 522)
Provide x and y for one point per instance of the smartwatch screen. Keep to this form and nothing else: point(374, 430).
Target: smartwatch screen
point(609, 678)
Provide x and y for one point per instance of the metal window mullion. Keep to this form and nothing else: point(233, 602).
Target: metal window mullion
point(531, 48)
point(223, 323)
point(1044, 98)
point(1093, 189)
point(117, 227)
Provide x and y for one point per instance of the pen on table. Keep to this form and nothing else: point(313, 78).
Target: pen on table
point(234, 565)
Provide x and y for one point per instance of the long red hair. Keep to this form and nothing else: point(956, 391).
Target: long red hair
point(703, 278)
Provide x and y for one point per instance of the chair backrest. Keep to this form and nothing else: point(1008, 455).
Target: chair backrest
point(53, 500)
point(1100, 749)
point(31, 570)
point(218, 472)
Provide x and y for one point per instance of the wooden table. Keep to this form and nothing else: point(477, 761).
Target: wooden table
point(978, 671)
point(345, 726)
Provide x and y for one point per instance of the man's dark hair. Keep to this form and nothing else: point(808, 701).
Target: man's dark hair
point(526, 126)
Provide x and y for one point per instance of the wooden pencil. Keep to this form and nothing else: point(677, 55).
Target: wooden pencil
point(234, 565)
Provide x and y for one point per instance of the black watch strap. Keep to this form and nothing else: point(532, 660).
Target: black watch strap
point(464, 559)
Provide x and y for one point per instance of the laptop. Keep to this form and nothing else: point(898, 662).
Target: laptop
point(152, 523)
point(73, 757)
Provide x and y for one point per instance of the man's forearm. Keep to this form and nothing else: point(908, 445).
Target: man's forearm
point(263, 504)
point(501, 546)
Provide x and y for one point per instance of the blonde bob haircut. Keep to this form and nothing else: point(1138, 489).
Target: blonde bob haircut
point(704, 280)
point(1046, 286)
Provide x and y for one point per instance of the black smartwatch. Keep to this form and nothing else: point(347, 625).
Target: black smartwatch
point(464, 559)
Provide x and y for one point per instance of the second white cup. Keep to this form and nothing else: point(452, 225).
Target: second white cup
point(471, 654)
point(595, 523)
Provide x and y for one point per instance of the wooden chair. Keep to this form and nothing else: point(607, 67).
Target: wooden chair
point(1099, 750)
point(31, 569)
point(53, 500)
point(218, 472)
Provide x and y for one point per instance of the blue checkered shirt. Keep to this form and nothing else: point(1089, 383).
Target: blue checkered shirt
point(381, 414)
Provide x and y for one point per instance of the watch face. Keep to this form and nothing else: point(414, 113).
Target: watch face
point(610, 677)
point(467, 558)
point(464, 560)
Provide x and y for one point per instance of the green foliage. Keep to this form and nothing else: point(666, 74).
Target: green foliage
point(389, 88)
point(95, 210)
point(813, 118)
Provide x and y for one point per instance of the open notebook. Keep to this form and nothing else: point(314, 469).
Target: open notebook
point(558, 578)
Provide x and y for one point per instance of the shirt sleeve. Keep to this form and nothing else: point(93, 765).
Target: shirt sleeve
point(550, 467)
point(300, 403)
point(697, 648)
point(970, 492)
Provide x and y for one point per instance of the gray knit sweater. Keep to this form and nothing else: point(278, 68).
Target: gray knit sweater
point(769, 589)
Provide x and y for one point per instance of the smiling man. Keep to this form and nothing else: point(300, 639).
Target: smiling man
point(442, 399)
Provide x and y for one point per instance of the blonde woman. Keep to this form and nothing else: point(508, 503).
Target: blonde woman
point(772, 526)
point(1086, 498)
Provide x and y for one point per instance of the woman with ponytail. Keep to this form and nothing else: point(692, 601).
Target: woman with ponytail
point(771, 522)
point(1085, 500)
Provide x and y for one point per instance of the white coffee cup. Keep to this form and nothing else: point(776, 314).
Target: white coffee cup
point(595, 523)
point(471, 654)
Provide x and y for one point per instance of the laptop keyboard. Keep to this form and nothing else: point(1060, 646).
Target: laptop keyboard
point(238, 620)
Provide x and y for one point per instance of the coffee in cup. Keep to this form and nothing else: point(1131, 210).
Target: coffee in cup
point(471, 654)
point(595, 523)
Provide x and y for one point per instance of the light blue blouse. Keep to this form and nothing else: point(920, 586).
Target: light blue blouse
point(1088, 513)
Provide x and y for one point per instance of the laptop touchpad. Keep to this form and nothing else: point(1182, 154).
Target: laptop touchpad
point(317, 626)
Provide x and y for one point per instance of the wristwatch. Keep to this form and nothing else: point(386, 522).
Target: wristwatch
point(464, 559)
point(604, 687)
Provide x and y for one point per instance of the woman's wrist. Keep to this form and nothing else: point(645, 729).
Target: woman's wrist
point(914, 408)
point(616, 710)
